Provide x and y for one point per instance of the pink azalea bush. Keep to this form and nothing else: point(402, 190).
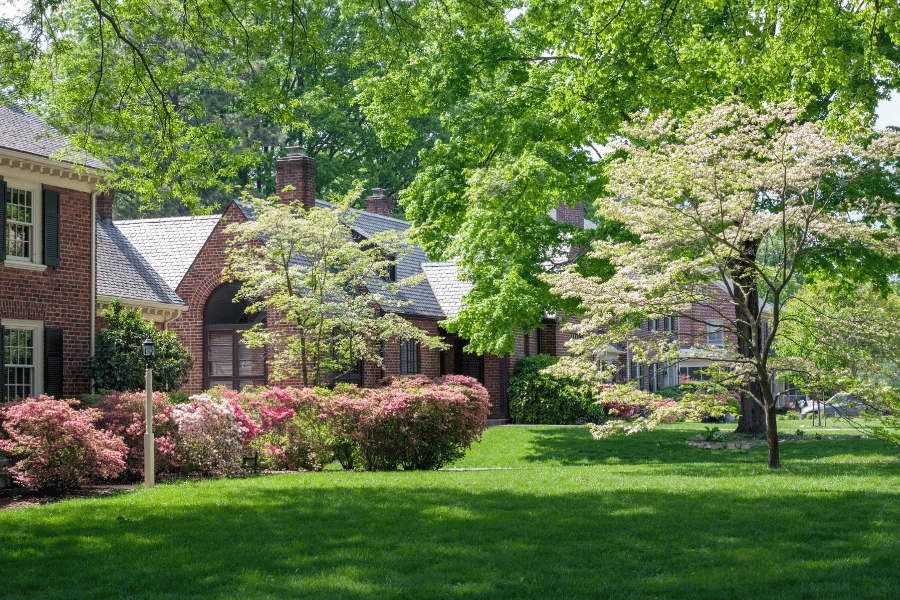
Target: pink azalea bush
point(58, 447)
point(123, 414)
point(413, 422)
point(293, 431)
point(212, 436)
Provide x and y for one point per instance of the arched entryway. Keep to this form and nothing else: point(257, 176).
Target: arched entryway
point(227, 360)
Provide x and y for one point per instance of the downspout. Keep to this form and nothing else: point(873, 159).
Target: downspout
point(93, 278)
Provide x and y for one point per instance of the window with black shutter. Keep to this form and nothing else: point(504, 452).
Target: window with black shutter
point(51, 228)
point(2, 220)
point(53, 361)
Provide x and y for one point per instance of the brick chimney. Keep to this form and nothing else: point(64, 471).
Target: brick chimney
point(572, 216)
point(105, 205)
point(380, 204)
point(297, 170)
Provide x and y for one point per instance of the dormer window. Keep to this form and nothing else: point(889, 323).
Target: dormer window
point(391, 270)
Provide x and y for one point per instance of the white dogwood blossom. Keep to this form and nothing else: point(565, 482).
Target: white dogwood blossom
point(727, 205)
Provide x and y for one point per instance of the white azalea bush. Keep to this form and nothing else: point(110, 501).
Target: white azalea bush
point(211, 436)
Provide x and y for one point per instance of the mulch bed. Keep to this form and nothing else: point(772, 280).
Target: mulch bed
point(13, 497)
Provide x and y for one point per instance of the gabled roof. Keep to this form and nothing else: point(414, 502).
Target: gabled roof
point(170, 244)
point(24, 132)
point(123, 273)
point(446, 285)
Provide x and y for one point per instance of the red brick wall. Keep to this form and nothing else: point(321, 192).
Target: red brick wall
point(59, 296)
point(201, 279)
point(692, 326)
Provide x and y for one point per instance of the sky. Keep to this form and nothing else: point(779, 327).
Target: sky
point(888, 112)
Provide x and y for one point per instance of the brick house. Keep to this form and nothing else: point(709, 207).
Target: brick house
point(171, 269)
point(47, 253)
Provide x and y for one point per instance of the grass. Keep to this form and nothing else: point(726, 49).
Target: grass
point(550, 513)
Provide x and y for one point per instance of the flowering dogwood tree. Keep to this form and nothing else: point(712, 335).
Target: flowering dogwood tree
point(728, 205)
point(333, 289)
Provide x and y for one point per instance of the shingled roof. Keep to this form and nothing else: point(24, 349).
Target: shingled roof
point(122, 272)
point(169, 244)
point(24, 132)
point(448, 288)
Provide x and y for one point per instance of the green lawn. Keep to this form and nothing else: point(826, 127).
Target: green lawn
point(552, 514)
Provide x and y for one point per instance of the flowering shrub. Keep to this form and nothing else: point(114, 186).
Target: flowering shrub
point(415, 423)
point(539, 397)
point(636, 410)
point(294, 431)
point(57, 447)
point(211, 437)
point(124, 414)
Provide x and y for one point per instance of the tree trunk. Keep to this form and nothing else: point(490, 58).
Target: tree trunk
point(773, 460)
point(746, 296)
point(753, 416)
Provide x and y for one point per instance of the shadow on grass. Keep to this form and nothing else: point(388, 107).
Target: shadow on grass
point(364, 537)
point(574, 446)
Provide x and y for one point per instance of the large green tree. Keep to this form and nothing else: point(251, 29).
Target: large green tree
point(529, 91)
point(188, 101)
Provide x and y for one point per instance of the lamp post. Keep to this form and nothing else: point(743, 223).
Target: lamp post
point(149, 350)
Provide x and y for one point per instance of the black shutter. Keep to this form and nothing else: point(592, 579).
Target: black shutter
point(51, 228)
point(53, 361)
point(2, 220)
point(2, 364)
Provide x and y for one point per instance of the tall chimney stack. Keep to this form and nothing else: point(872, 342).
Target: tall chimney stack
point(297, 170)
point(380, 204)
point(105, 205)
point(572, 216)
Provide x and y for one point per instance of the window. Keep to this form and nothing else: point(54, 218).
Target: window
point(29, 225)
point(19, 223)
point(714, 335)
point(688, 374)
point(229, 361)
point(538, 340)
point(653, 324)
point(636, 371)
point(653, 377)
point(527, 345)
point(22, 359)
point(409, 357)
point(390, 273)
point(669, 324)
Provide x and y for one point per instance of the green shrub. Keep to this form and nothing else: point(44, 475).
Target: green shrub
point(118, 364)
point(674, 392)
point(539, 398)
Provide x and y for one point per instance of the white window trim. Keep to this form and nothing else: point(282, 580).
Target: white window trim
point(715, 327)
point(34, 262)
point(38, 328)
